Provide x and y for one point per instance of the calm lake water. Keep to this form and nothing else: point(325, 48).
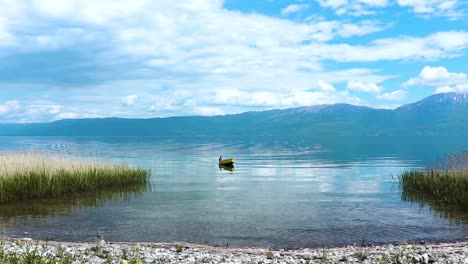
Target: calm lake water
point(282, 193)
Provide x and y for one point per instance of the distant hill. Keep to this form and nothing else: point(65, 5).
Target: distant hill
point(440, 114)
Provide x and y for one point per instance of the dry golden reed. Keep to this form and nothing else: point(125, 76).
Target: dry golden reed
point(32, 175)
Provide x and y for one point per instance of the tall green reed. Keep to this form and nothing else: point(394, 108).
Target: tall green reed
point(442, 187)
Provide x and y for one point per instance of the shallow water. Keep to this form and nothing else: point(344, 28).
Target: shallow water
point(282, 192)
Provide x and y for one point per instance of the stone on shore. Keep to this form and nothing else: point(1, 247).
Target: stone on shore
point(12, 250)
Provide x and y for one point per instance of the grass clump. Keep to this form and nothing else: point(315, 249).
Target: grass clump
point(448, 187)
point(32, 175)
point(179, 248)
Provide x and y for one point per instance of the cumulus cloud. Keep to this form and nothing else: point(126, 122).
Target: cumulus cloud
point(436, 77)
point(364, 87)
point(129, 100)
point(441, 79)
point(398, 95)
point(294, 8)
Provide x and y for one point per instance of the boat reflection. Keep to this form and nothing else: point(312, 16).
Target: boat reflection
point(226, 167)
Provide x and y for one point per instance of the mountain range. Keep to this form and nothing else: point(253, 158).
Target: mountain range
point(440, 114)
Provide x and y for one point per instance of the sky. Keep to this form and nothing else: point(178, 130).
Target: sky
point(63, 59)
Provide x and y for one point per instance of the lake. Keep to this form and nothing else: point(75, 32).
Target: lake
point(282, 192)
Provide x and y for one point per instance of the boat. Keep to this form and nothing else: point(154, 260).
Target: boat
point(229, 161)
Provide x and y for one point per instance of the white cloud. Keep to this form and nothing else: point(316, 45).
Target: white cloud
point(294, 8)
point(129, 100)
point(441, 79)
point(88, 11)
point(55, 109)
point(326, 87)
point(398, 95)
point(245, 98)
point(38, 110)
point(448, 8)
point(326, 95)
point(436, 77)
point(444, 89)
point(188, 52)
point(381, 3)
point(208, 111)
point(9, 107)
point(204, 40)
point(307, 98)
point(462, 87)
point(353, 7)
point(333, 3)
point(364, 87)
point(433, 7)
point(6, 38)
point(69, 115)
point(436, 46)
point(32, 111)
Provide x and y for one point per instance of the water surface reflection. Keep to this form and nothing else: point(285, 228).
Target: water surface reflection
point(283, 192)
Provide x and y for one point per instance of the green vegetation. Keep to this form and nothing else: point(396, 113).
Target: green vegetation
point(179, 248)
point(442, 187)
point(361, 255)
point(31, 175)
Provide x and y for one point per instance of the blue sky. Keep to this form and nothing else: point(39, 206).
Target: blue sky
point(143, 58)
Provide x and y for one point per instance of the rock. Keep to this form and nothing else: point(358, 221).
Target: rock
point(425, 258)
point(102, 242)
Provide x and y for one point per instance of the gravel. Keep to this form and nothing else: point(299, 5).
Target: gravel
point(21, 250)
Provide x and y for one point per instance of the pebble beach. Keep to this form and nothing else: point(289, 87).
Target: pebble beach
point(14, 250)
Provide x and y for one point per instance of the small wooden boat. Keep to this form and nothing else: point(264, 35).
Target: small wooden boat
point(227, 161)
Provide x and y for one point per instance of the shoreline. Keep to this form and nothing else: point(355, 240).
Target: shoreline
point(147, 252)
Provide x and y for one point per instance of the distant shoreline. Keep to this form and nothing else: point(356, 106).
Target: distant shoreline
point(138, 252)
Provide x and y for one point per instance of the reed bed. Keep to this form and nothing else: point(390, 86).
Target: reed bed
point(32, 175)
point(444, 187)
